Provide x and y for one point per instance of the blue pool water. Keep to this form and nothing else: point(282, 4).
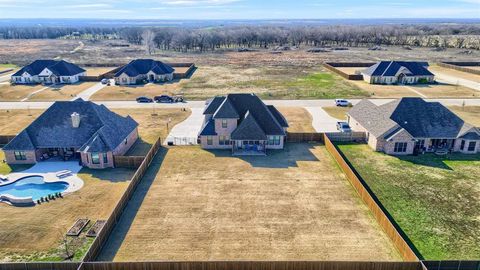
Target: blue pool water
point(34, 187)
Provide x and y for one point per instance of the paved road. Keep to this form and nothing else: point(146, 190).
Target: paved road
point(186, 132)
point(85, 95)
point(11, 105)
point(445, 78)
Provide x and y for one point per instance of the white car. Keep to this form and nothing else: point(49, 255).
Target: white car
point(342, 102)
point(343, 127)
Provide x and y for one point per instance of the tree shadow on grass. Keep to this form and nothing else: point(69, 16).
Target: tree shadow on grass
point(114, 175)
point(435, 161)
point(117, 236)
point(280, 159)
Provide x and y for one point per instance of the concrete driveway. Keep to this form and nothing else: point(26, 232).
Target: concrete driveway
point(321, 120)
point(85, 95)
point(186, 132)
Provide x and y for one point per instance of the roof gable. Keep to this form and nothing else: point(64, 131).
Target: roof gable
point(249, 129)
point(226, 110)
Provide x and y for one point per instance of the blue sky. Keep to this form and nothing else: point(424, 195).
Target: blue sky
point(239, 9)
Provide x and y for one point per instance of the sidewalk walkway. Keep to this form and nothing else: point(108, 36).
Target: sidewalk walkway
point(85, 95)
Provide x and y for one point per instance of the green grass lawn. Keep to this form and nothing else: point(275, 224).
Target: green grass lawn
point(435, 200)
point(7, 66)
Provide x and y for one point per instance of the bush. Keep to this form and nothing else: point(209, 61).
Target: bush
point(422, 81)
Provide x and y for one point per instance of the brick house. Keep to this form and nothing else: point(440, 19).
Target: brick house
point(48, 72)
point(398, 72)
point(76, 129)
point(143, 69)
point(413, 125)
point(243, 124)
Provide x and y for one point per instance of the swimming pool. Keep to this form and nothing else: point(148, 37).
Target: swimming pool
point(32, 186)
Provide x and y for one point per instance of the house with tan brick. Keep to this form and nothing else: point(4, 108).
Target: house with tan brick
point(243, 124)
point(412, 125)
point(140, 70)
point(70, 130)
point(398, 72)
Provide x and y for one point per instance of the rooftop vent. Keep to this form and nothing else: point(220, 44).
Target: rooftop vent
point(75, 120)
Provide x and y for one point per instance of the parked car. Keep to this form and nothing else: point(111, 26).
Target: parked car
point(105, 81)
point(144, 100)
point(343, 127)
point(164, 99)
point(178, 98)
point(342, 102)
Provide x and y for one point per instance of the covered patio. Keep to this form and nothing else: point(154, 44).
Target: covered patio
point(249, 148)
point(64, 153)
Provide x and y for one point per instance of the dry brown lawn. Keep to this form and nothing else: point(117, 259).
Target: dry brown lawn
point(14, 121)
point(455, 73)
point(337, 112)
point(95, 71)
point(62, 92)
point(299, 119)
point(35, 232)
point(151, 127)
point(470, 114)
point(207, 205)
point(430, 91)
point(116, 92)
point(17, 92)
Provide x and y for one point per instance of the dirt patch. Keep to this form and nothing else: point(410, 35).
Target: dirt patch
point(206, 205)
point(299, 119)
point(470, 114)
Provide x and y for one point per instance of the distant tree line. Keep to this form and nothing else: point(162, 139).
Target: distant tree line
point(211, 39)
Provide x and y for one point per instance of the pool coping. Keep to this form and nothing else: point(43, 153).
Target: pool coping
point(74, 182)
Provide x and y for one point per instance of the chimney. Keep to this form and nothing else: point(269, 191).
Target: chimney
point(75, 120)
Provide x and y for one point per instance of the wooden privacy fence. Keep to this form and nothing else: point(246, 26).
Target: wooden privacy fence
point(4, 139)
point(102, 236)
point(347, 136)
point(387, 224)
point(462, 66)
point(304, 137)
point(249, 265)
point(354, 77)
point(40, 266)
point(130, 162)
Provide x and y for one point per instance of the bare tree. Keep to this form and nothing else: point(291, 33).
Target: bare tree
point(148, 40)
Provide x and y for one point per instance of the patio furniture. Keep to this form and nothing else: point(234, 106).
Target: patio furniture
point(63, 174)
point(3, 177)
point(45, 156)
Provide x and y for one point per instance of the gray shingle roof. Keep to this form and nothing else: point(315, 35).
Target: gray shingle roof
point(240, 104)
point(100, 129)
point(249, 129)
point(143, 66)
point(390, 68)
point(59, 68)
point(208, 129)
point(419, 118)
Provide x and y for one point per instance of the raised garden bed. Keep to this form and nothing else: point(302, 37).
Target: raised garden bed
point(96, 228)
point(78, 227)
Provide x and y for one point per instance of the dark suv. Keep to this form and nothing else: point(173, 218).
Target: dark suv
point(164, 99)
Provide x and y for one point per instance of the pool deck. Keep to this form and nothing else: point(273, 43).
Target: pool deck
point(48, 170)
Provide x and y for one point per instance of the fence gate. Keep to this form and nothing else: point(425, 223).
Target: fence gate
point(181, 141)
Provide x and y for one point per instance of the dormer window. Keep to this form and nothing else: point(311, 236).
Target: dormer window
point(224, 123)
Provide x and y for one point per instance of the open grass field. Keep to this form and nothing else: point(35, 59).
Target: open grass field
point(14, 121)
point(36, 233)
point(434, 199)
point(455, 73)
point(299, 119)
point(207, 205)
point(470, 114)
